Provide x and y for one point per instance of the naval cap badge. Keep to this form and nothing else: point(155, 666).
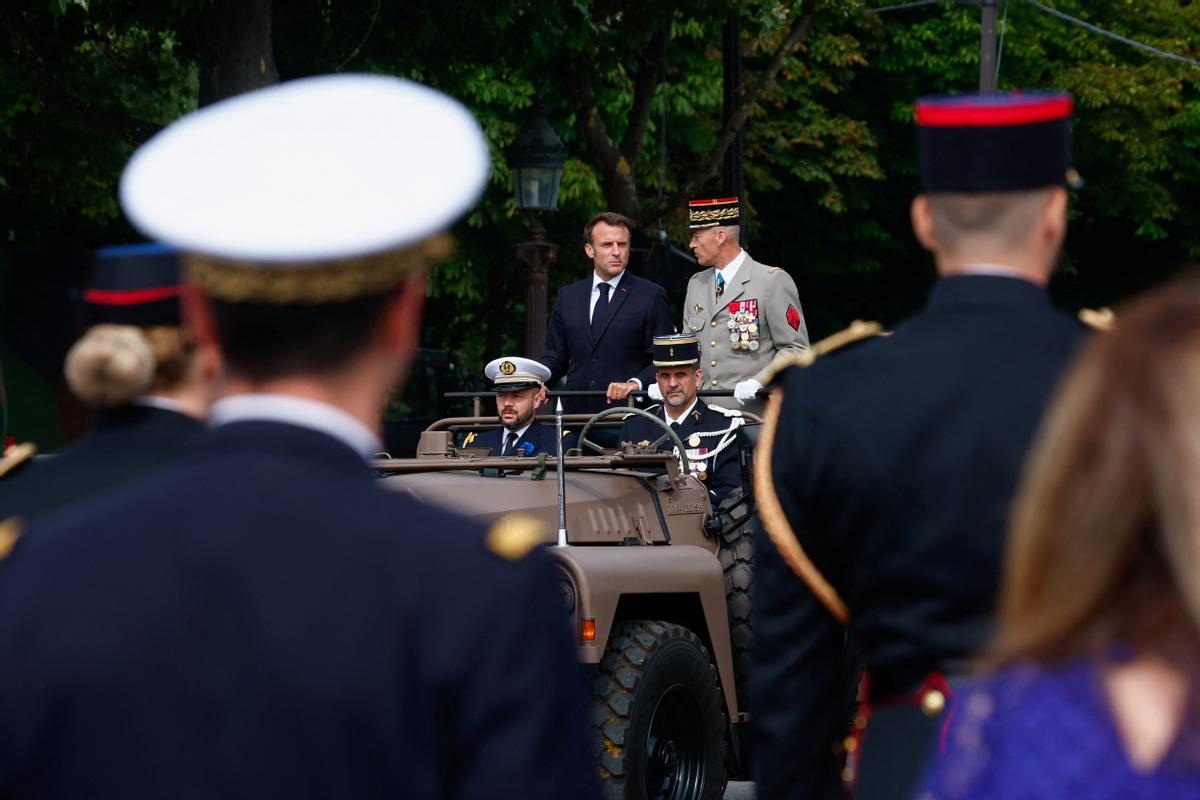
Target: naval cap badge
point(508, 368)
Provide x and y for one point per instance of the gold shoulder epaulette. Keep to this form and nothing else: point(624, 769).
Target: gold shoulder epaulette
point(470, 438)
point(856, 332)
point(513, 537)
point(15, 456)
point(773, 269)
point(10, 531)
point(801, 359)
point(1100, 319)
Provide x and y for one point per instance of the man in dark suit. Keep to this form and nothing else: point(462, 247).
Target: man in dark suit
point(890, 464)
point(709, 433)
point(519, 384)
point(602, 328)
point(263, 618)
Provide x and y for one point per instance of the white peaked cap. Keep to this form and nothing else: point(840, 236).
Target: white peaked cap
point(319, 169)
point(510, 370)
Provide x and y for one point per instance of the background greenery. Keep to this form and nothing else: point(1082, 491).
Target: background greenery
point(635, 91)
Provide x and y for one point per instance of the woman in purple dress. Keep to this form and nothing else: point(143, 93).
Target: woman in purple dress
point(1091, 689)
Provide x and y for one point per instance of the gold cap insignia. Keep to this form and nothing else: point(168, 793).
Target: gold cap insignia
point(513, 537)
point(508, 368)
point(10, 531)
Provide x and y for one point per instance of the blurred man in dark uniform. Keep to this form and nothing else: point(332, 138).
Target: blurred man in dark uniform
point(519, 384)
point(887, 468)
point(264, 619)
point(601, 327)
point(709, 433)
point(136, 369)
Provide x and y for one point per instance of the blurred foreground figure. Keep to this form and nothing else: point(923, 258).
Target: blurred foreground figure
point(136, 367)
point(886, 469)
point(1097, 663)
point(263, 619)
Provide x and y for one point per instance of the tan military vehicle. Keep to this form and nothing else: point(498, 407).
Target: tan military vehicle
point(656, 587)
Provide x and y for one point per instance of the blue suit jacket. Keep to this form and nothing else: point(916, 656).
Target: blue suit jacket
point(264, 619)
point(538, 439)
point(637, 312)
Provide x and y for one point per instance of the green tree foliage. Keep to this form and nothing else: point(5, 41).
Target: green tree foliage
point(634, 89)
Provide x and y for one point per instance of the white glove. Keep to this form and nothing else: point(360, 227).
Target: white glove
point(654, 392)
point(746, 390)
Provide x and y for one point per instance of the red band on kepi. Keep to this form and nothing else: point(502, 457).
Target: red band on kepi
point(988, 115)
point(713, 212)
point(995, 143)
point(131, 297)
point(134, 285)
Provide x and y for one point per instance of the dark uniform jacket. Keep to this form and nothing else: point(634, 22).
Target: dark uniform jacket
point(264, 619)
point(721, 473)
point(120, 445)
point(637, 312)
point(895, 462)
point(539, 438)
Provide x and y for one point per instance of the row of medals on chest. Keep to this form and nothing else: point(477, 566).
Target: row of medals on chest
point(743, 330)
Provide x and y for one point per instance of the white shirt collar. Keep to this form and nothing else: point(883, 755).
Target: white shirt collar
point(519, 433)
point(682, 416)
point(300, 411)
point(154, 401)
point(597, 280)
point(730, 270)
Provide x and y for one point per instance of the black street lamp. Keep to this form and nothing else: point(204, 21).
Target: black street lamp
point(537, 159)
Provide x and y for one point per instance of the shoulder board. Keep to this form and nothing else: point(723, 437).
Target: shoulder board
point(857, 331)
point(15, 456)
point(470, 438)
point(566, 433)
point(10, 531)
point(513, 537)
point(773, 269)
point(1100, 319)
point(729, 412)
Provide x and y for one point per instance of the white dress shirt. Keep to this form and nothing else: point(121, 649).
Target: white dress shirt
point(682, 416)
point(596, 281)
point(730, 270)
point(300, 411)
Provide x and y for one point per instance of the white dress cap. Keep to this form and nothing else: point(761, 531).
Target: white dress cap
point(510, 370)
point(318, 169)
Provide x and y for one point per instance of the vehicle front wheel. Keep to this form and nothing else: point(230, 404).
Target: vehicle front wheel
point(659, 715)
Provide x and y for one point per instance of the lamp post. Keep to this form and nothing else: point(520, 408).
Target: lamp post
point(537, 159)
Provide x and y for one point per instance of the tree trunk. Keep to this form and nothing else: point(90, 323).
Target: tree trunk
point(235, 49)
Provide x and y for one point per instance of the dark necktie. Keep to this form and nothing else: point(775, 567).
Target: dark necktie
point(720, 285)
point(600, 310)
point(510, 442)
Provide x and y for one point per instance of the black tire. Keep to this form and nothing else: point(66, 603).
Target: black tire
point(659, 715)
point(737, 561)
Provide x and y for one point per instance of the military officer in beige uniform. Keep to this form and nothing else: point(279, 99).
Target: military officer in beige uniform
point(745, 314)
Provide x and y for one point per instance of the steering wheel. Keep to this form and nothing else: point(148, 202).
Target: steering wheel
point(668, 432)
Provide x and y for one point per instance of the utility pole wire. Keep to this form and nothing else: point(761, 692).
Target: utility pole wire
point(903, 6)
point(1114, 36)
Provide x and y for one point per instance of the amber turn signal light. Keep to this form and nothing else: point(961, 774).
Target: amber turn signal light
point(587, 630)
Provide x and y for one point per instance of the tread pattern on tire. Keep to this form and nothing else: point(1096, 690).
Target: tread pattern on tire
point(736, 555)
point(630, 648)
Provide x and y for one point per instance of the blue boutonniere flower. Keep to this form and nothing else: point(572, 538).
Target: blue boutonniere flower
point(526, 448)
